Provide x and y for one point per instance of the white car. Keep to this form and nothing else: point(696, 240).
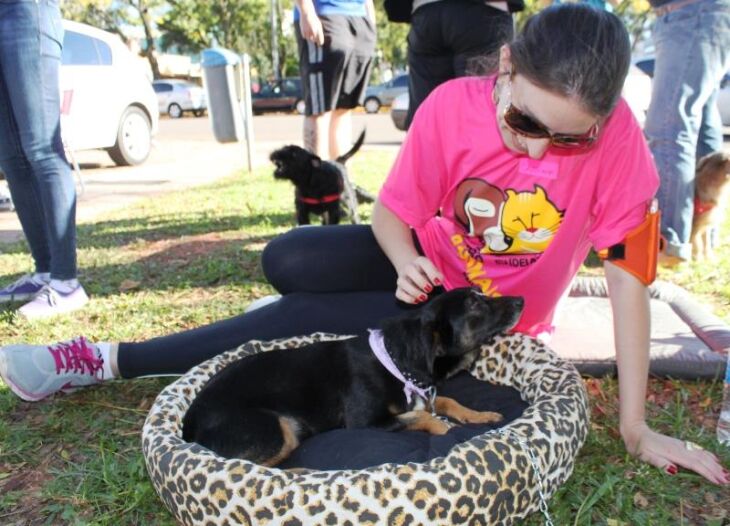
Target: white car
point(399, 109)
point(637, 93)
point(107, 99)
point(177, 96)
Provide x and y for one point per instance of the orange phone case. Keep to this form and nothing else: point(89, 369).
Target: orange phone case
point(639, 251)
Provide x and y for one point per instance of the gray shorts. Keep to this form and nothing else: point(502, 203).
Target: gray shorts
point(336, 74)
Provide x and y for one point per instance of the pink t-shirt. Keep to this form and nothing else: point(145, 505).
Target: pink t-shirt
point(511, 225)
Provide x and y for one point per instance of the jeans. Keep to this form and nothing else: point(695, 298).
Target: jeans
point(31, 150)
point(683, 122)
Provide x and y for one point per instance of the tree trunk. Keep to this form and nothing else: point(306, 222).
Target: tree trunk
point(151, 50)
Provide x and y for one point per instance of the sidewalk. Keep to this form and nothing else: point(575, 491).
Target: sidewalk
point(187, 155)
point(174, 165)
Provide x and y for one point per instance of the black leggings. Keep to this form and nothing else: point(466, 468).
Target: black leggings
point(332, 279)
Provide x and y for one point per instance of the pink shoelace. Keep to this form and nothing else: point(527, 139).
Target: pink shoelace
point(78, 357)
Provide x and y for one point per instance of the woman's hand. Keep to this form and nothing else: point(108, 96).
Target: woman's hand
point(667, 453)
point(417, 279)
point(310, 25)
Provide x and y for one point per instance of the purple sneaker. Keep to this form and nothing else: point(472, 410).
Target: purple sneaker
point(23, 289)
point(49, 302)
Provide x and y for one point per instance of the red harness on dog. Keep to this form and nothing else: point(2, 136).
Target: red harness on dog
point(322, 200)
point(701, 208)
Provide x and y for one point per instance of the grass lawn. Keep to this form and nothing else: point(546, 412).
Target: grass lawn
point(192, 257)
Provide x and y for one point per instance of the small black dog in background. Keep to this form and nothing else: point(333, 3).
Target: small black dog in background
point(321, 186)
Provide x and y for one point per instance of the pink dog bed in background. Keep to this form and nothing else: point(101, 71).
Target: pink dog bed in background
point(687, 340)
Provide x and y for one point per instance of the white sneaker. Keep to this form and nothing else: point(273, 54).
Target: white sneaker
point(49, 302)
point(262, 302)
point(34, 372)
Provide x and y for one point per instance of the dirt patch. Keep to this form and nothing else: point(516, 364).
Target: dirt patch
point(172, 251)
point(28, 482)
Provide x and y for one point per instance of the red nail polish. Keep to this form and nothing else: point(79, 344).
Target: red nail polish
point(422, 297)
point(428, 288)
point(671, 469)
point(436, 281)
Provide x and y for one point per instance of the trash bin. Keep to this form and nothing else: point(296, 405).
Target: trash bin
point(224, 86)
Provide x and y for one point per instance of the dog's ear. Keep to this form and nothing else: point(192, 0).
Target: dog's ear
point(702, 163)
point(714, 161)
point(436, 329)
point(412, 345)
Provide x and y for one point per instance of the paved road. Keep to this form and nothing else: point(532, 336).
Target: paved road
point(284, 128)
point(186, 154)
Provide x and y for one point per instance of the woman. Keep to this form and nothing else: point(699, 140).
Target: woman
point(502, 182)
point(33, 158)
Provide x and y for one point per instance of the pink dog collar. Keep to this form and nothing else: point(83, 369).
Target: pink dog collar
point(377, 344)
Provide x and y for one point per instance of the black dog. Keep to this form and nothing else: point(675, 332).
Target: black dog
point(261, 407)
point(320, 185)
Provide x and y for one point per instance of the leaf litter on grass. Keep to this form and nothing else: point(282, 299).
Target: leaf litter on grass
point(213, 237)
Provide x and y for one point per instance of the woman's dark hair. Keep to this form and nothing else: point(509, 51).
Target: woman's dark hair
point(575, 50)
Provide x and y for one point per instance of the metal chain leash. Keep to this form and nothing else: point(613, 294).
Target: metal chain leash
point(431, 393)
point(535, 466)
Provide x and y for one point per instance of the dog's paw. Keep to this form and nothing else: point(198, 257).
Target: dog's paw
point(440, 426)
point(480, 417)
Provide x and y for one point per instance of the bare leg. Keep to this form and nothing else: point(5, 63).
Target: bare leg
point(316, 129)
point(340, 132)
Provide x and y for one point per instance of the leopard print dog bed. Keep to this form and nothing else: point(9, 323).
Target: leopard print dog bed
point(489, 479)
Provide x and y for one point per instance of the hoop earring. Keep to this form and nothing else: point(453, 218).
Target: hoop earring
point(498, 84)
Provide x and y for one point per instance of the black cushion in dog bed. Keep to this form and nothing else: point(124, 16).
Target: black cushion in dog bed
point(362, 448)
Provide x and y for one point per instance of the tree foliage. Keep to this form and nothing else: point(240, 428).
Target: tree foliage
point(105, 14)
point(241, 25)
point(392, 40)
point(245, 26)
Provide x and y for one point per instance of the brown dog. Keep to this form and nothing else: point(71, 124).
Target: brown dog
point(711, 194)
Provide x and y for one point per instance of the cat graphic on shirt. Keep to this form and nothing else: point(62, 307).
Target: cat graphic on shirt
point(530, 220)
point(508, 222)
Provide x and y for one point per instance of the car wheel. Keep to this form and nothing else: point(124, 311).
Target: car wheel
point(174, 111)
point(198, 113)
point(134, 138)
point(300, 106)
point(372, 105)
